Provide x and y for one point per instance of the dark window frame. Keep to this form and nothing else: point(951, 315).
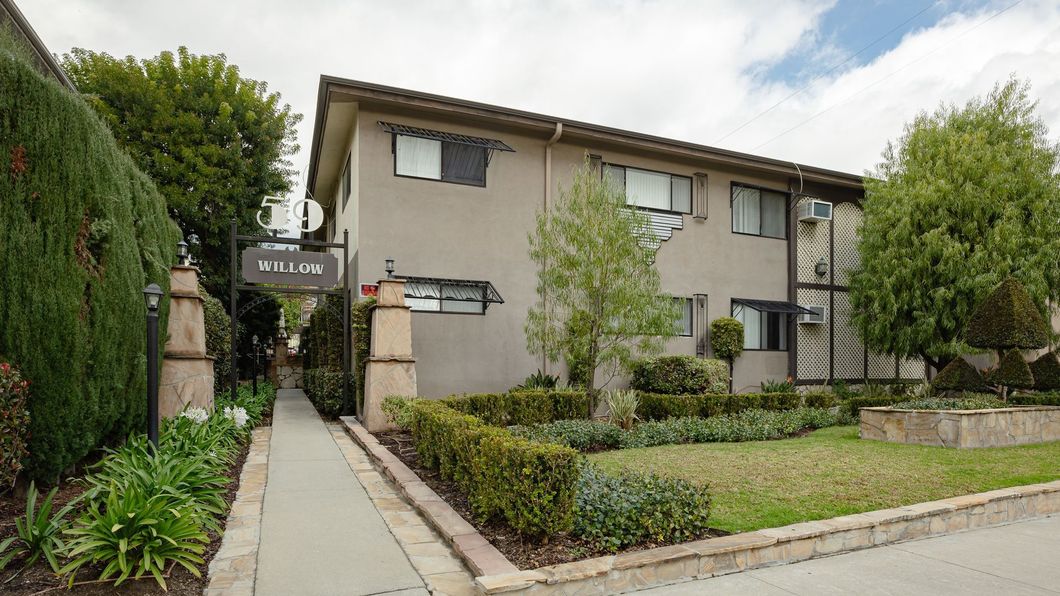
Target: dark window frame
point(691, 190)
point(441, 157)
point(783, 316)
point(732, 212)
point(442, 301)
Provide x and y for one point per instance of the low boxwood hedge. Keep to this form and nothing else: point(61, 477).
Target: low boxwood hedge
point(654, 406)
point(529, 485)
point(521, 406)
point(1051, 398)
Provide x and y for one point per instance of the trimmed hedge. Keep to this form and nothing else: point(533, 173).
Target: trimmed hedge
point(218, 340)
point(679, 375)
point(958, 375)
point(530, 485)
point(1046, 372)
point(521, 407)
point(654, 406)
point(1035, 399)
point(323, 387)
point(361, 326)
point(854, 404)
point(1007, 318)
point(82, 231)
point(1012, 371)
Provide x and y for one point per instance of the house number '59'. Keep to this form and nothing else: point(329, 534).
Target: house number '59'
point(306, 212)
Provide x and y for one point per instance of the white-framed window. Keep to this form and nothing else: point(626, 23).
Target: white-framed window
point(652, 190)
point(439, 160)
point(441, 297)
point(759, 212)
point(762, 330)
point(684, 326)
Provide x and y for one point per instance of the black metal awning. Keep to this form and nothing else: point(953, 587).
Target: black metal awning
point(460, 290)
point(773, 306)
point(451, 137)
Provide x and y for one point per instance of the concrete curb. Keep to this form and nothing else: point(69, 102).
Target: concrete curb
point(702, 559)
point(234, 567)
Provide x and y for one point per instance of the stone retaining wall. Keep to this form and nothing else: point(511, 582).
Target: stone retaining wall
point(637, 570)
point(963, 428)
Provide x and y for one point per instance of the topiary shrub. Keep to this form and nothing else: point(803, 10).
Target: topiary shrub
point(1007, 318)
point(14, 424)
point(677, 375)
point(726, 338)
point(323, 387)
point(1046, 372)
point(82, 231)
point(1012, 371)
point(958, 375)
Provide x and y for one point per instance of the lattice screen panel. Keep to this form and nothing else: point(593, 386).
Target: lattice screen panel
point(812, 244)
point(881, 366)
point(912, 368)
point(846, 217)
point(849, 353)
point(811, 361)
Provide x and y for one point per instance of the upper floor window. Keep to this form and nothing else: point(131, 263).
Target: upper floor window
point(346, 184)
point(759, 212)
point(652, 190)
point(435, 155)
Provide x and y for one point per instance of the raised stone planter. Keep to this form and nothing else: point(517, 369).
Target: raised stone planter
point(1020, 425)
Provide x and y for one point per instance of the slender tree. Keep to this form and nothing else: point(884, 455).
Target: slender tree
point(966, 197)
point(599, 295)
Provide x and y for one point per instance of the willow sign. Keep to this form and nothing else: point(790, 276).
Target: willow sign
point(290, 267)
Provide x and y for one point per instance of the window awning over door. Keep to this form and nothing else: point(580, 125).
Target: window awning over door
point(773, 306)
point(461, 290)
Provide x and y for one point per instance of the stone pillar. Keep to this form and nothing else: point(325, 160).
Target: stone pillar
point(391, 369)
point(187, 372)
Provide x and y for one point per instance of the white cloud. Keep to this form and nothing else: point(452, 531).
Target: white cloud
point(684, 69)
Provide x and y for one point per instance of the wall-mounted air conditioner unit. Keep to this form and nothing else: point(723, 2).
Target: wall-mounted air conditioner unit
point(815, 211)
point(820, 315)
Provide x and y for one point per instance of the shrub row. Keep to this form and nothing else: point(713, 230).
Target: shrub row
point(521, 407)
point(971, 401)
point(82, 231)
point(145, 509)
point(655, 406)
point(748, 425)
point(529, 485)
point(1035, 399)
point(679, 375)
point(323, 387)
point(854, 404)
point(614, 512)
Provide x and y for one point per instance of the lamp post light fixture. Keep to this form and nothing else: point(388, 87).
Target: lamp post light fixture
point(153, 298)
point(182, 253)
point(254, 366)
point(821, 268)
point(390, 268)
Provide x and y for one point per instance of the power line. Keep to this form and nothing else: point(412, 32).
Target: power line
point(877, 82)
point(828, 72)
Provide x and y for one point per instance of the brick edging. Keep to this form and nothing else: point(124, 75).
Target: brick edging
point(480, 556)
point(233, 568)
point(714, 556)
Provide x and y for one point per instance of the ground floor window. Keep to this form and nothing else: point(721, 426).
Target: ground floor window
point(684, 326)
point(762, 330)
point(429, 294)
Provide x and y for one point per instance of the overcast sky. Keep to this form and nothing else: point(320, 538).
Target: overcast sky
point(689, 70)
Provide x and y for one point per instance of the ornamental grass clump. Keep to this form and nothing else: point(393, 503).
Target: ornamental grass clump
point(622, 407)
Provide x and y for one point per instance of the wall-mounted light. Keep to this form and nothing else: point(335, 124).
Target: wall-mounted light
point(821, 268)
point(390, 268)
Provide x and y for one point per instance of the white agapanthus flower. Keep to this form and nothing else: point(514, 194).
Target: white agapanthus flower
point(197, 415)
point(237, 414)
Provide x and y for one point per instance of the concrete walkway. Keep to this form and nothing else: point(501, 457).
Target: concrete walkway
point(1017, 559)
point(320, 533)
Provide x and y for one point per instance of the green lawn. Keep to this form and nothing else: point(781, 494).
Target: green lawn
point(831, 472)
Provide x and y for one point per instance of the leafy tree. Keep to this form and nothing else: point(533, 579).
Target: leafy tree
point(599, 297)
point(213, 142)
point(966, 197)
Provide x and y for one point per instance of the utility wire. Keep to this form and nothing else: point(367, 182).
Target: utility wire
point(828, 72)
point(901, 68)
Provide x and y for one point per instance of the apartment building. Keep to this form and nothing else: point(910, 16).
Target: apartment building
point(449, 189)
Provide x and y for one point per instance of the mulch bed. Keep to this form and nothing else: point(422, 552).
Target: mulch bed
point(523, 553)
point(39, 579)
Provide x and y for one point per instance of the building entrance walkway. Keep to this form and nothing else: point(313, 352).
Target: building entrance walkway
point(320, 532)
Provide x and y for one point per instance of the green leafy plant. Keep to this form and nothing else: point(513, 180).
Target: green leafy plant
point(1011, 372)
point(679, 375)
point(398, 410)
point(726, 338)
point(583, 435)
point(1046, 372)
point(771, 386)
point(614, 512)
point(14, 423)
point(958, 375)
point(539, 380)
point(622, 407)
point(971, 401)
point(38, 532)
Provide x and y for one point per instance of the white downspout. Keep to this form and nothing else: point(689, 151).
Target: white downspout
point(547, 201)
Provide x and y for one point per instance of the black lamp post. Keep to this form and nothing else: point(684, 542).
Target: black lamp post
point(182, 253)
point(153, 297)
point(390, 268)
point(254, 366)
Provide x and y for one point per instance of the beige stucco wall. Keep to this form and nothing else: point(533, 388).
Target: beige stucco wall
point(439, 229)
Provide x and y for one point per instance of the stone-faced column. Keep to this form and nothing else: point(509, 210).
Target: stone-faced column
point(187, 372)
point(391, 369)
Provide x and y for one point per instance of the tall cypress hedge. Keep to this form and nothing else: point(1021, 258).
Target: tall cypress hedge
point(82, 231)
